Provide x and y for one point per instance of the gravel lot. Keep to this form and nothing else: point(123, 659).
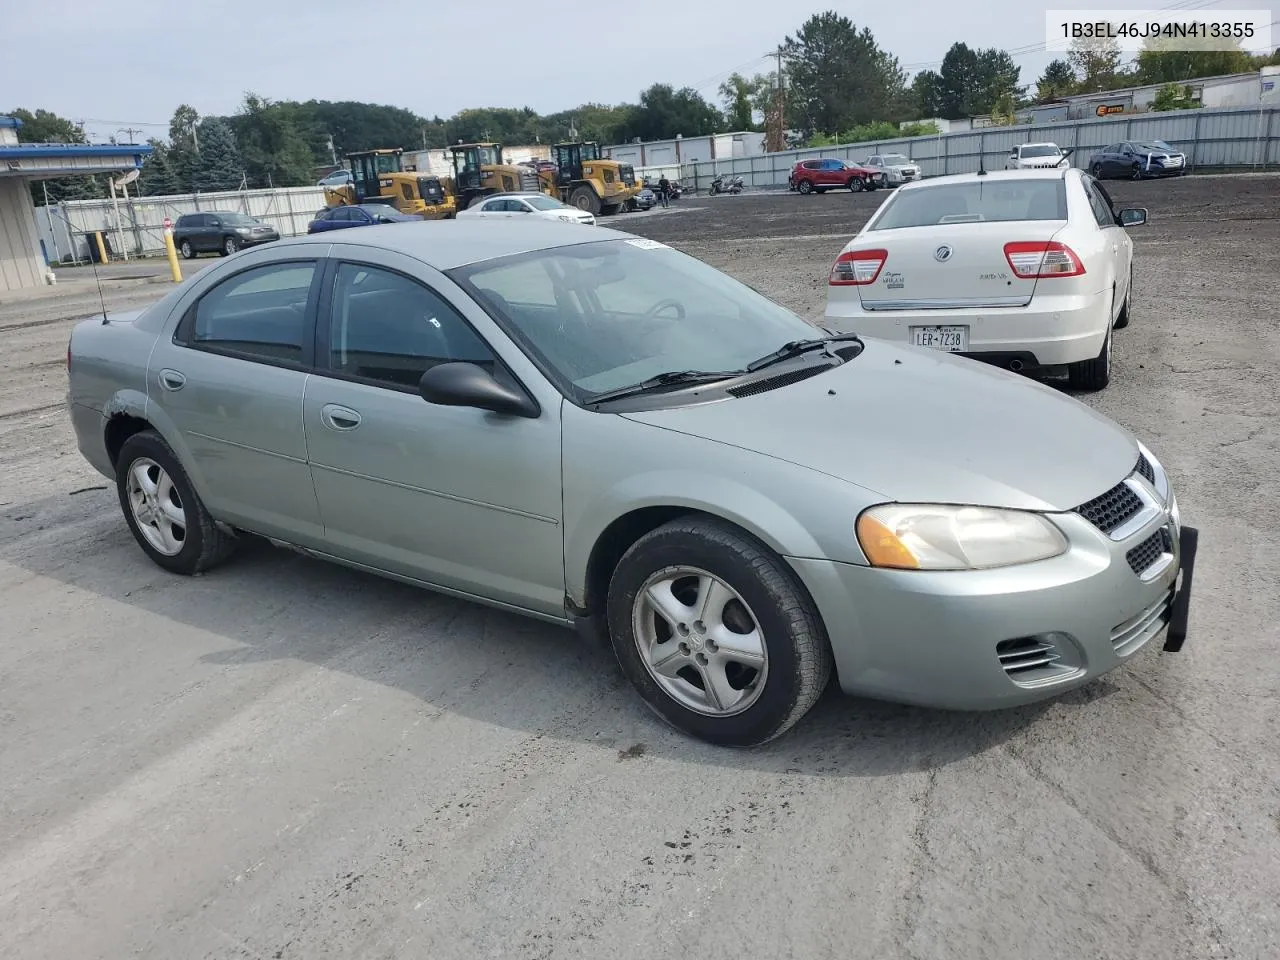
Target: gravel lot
point(285, 759)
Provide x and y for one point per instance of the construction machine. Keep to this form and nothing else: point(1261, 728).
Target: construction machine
point(586, 181)
point(378, 176)
point(479, 170)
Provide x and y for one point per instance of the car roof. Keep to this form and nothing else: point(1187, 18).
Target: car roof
point(445, 244)
point(518, 195)
point(1039, 143)
point(1041, 173)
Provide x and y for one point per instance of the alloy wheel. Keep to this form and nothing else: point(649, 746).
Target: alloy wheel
point(156, 506)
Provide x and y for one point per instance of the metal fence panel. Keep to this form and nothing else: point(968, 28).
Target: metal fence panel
point(1233, 137)
point(63, 226)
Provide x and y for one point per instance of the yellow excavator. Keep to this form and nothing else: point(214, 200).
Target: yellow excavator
point(378, 176)
point(479, 170)
point(585, 180)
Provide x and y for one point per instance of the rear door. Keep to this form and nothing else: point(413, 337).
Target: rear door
point(231, 381)
point(949, 251)
point(1115, 244)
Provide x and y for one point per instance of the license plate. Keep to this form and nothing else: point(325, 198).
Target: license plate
point(950, 339)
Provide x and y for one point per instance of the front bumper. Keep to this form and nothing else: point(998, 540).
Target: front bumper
point(1050, 331)
point(971, 640)
point(256, 239)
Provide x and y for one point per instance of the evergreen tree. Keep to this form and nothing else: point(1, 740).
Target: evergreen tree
point(218, 165)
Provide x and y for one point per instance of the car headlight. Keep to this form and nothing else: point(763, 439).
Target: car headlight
point(906, 536)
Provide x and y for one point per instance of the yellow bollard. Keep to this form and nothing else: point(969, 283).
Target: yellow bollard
point(102, 247)
point(170, 252)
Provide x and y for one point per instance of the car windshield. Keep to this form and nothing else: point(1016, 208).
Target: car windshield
point(236, 219)
point(990, 201)
point(1154, 145)
point(544, 203)
point(608, 314)
point(894, 159)
point(1041, 150)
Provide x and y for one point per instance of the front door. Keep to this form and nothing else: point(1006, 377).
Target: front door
point(232, 385)
point(452, 496)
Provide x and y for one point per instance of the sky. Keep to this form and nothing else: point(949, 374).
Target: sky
point(129, 65)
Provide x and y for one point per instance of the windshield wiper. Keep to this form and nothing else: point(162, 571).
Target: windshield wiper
point(796, 348)
point(670, 378)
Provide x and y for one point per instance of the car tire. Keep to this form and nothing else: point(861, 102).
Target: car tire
point(805, 187)
point(1096, 170)
point(1126, 309)
point(585, 199)
point(758, 596)
point(856, 185)
point(1137, 172)
point(229, 246)
point(188, 252)
point(1092, 375)
point(156, 515)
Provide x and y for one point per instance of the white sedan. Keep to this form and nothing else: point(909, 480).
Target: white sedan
point(1030, 270)
point(538, 205)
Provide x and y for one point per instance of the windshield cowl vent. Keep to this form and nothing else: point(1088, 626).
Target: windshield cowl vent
point(773, 383)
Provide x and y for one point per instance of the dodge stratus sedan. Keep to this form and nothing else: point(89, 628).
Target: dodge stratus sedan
point(595, 429)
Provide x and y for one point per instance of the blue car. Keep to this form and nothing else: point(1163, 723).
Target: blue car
point(360, 215)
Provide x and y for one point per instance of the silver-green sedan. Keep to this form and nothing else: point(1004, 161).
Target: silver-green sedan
point(595, 429)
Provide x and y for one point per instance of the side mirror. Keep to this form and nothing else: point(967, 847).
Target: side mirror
point(1133, 217)
point(467, 385)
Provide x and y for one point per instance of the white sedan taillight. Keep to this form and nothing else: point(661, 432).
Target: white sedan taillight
point(857, 268)
point(1034, 259)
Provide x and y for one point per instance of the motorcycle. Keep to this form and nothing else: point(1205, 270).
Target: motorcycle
point(718, 185)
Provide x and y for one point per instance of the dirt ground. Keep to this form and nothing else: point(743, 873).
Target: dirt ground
point(285, 759)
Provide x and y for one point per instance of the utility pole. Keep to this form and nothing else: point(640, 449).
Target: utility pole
point(131, 131)
point(775, 121)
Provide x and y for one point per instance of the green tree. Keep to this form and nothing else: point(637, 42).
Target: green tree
point(273, 151)
point(1174, 96)
point(158, 178)
point(1057, 81)
point(218, 165)
point(664, 112)
point(1158, 62)
point(1096, 62)
point(743, 97)
point(839, 76)
point(183, 155)
point(969, 83)
point(44, 126)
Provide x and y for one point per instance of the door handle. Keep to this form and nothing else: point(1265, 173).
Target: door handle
point(339, 418)
point(172, 380)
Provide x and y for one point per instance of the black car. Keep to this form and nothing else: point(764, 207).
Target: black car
point(360, 215)
point(1137, 160)
point(218, 232)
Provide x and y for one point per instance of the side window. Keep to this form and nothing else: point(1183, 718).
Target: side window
point(260, 314)
point(1101, 209)
point(406, 191)
point(390, 329)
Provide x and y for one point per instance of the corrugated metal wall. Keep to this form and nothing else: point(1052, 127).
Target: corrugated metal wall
point(1232, 137)
point(141, 227)
point(20, 262)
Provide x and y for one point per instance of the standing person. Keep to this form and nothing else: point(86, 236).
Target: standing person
point(664, 189)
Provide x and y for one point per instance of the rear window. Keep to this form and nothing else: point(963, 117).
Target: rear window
point(989, 201)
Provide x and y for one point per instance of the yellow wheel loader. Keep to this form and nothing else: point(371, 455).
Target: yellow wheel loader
point(585, 181)
point(378, 176)
point(479, 170)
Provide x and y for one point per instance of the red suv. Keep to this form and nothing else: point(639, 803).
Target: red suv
point(818, 176)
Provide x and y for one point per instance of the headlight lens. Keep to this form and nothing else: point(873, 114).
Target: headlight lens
point(943, 537)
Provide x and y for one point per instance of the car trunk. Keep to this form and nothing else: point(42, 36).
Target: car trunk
point(951, 266)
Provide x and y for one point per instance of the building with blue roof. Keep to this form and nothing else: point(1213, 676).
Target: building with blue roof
point(22, 264)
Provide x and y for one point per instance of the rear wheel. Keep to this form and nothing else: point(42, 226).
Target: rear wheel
point(1096, 170)
point(162, 509)
point(716, 633)
point(856, 184)
point(188, 252)
point(1095, 374)
point(586, 199)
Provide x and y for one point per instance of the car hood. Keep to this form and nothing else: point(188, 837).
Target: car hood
point(914, 426)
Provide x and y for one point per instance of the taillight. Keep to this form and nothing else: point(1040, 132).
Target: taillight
point(857, 268)
point(1034, 259)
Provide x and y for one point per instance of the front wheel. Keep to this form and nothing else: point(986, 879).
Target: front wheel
point(1137, 172)
point(805, 187)
point(716, 633)
point(856, 185)
point(162, 509)
point(230, 246)
point(1126, 310)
